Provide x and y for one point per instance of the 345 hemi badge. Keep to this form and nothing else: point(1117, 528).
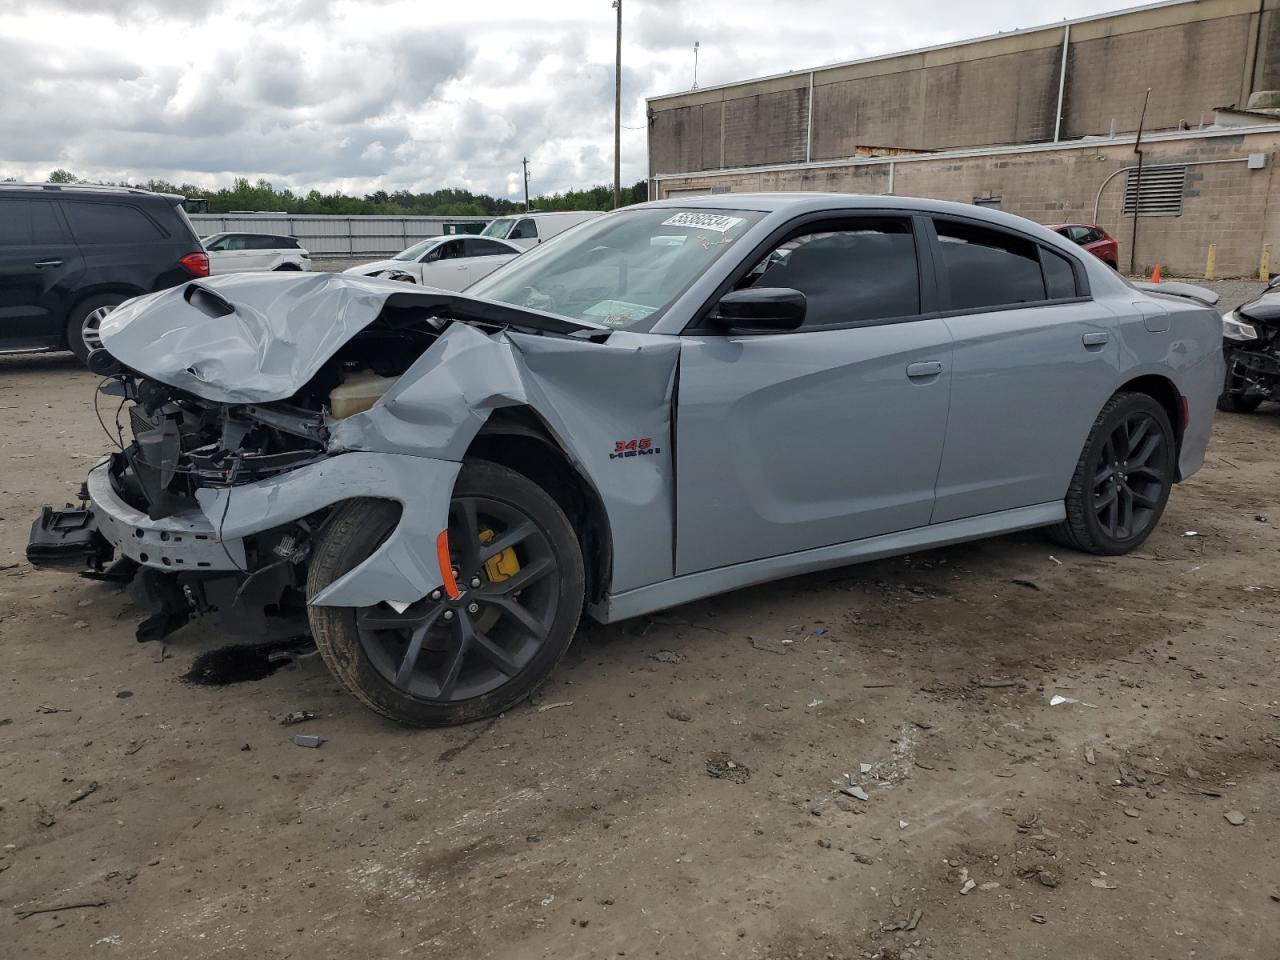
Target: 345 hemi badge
point(640, 447)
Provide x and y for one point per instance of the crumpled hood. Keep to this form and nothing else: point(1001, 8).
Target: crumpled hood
point(255, 338)
point(364, 269)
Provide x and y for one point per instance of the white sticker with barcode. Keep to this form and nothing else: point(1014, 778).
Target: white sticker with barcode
point(703, 221)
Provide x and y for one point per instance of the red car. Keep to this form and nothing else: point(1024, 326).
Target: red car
point(1093, 238)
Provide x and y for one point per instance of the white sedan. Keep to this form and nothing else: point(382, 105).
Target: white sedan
point(450, 263)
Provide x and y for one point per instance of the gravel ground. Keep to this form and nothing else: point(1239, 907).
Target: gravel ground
point(604, 820)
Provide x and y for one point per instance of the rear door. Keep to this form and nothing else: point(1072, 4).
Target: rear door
point(40, 272)
point(483, 256)
point(827, 434)
point(1035, 360)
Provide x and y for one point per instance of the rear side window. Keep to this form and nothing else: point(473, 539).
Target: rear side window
point(477, 247)
point(30, 223)
point(1059, 278)
point(851, 271)
point(987, 268)
point(95, 223)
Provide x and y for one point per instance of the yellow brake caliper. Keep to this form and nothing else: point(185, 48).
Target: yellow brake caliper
point(501, 566)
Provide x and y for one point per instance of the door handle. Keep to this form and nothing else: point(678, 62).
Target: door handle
point(47, 263)
point(1095, 339)
point(925, 368)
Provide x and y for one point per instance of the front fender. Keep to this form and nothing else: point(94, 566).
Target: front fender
point(403, 569)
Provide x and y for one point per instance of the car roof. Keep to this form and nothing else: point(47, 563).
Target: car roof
point(89, 189)
point(801, 203)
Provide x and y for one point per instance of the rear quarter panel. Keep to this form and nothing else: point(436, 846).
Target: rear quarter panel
point(1189, 354)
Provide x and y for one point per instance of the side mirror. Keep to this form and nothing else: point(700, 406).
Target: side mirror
point(761, 310)
point(1274, 282)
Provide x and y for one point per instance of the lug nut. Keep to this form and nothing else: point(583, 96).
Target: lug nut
point(448, 614)
point(473, 608)
point(435, 594)
point(475, 581)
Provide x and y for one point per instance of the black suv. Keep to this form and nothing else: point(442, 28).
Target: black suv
point(69, 254)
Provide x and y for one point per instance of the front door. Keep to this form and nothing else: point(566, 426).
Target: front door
point(827, 434)
point(39, 270)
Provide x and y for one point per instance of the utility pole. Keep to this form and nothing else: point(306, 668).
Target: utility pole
point(1137, 185)
point(525, 163)
point(617, 112)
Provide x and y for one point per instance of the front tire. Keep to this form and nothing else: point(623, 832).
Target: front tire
point(85, 320)
point(1231, 400)
point(1122, 479)
point(445, 661)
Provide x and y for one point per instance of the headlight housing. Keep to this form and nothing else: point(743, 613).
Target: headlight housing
point(1234, 328)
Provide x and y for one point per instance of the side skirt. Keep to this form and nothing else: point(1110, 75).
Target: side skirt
point(694, 586)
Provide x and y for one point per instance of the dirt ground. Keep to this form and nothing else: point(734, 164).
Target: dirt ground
point(587, 824)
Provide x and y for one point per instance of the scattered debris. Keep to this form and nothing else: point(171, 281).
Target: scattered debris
point(80, 905)
point(1089, 757)
point(723, 767)
point(853, 790)
point(81, 624)
point(681, 715)
point(1234, 817)
point(902, 824)
point(308, 740)
point(1023, 582)
point(83, 792)
point(667, 656)
point(297, 716)
point(863, 859)
point(1191, 533)
point(555, 706)
point(1038, 918)
point(1047, 879)
point(815, 703)
point(876, 686)
point(1130, 812)
point(916, 914)
point(1260, 517)
point(994, 684)
point(1101, 884)
point(968, 885)
point(865, 767)
point(989, 885)
point(1057, 699)
point(135, 747)
point(123, 694)
point(1055, 560)
point(46, 708)
point(769, 645)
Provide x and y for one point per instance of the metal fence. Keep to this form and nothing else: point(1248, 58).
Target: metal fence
point(327, 236)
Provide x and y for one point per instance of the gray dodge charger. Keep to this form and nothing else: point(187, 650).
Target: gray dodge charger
point(674, 400)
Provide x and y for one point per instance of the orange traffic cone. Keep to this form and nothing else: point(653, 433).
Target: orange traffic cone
point(1155, 274)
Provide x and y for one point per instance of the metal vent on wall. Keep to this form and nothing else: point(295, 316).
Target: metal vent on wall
point(1161, 191)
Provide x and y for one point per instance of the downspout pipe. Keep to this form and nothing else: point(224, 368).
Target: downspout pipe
point(1062, 83)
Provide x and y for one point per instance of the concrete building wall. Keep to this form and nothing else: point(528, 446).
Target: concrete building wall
point(998, 90)
point(1225, 203)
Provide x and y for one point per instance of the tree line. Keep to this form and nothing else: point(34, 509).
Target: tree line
point(447, 202)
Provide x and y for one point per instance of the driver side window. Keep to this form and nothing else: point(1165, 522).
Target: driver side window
point(852, 271)
point(526, 229)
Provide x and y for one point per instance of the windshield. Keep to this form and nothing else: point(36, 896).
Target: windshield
point(498, 228)
point(417, 250)
point(620, 270)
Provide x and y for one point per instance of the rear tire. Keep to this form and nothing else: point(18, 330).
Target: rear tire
point(84, 320)
point(1122, 479)
point(442, 661)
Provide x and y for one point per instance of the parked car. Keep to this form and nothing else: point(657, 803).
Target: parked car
point(1251, 347)
point(1093, 238)
point(449, 480)
point(449, 263)
point(530, 229)
point(254, 252)
point(70, 253)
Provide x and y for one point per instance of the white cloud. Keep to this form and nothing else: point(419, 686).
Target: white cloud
point(361, 95)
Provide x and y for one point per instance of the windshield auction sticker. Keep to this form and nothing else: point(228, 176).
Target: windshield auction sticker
point(703, 221)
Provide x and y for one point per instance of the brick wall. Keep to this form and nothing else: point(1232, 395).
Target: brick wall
point(1223, 203)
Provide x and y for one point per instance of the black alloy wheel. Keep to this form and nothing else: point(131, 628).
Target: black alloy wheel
point(463, 654)
point(1122, 479)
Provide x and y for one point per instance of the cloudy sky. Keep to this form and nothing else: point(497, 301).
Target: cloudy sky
point(358, 95)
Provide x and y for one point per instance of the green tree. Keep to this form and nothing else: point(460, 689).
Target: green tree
point(63, 176)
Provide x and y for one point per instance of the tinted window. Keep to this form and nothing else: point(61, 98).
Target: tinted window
point(265, 241)
point(853, 271)
point(449, 250)
point(1059, 278)
point(987, 268)
point(94, 223)
point(526, 229)
point(485, 248)
point(27, 222)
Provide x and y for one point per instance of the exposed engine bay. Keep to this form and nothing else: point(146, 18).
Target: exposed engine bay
point(1251, 347)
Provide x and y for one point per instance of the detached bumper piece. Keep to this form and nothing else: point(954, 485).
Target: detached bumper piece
point(67, 538)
